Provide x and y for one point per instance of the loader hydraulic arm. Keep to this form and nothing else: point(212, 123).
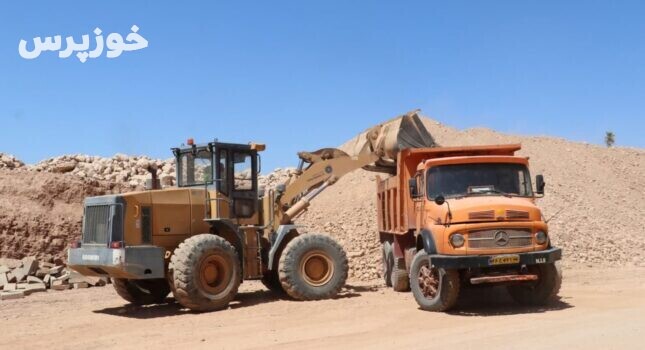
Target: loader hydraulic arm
point(324, 168)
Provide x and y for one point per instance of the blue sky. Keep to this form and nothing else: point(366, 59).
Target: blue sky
point(301, 75)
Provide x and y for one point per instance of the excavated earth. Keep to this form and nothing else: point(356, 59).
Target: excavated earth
point(597, 193)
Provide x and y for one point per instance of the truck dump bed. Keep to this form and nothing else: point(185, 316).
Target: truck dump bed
point(395, 206)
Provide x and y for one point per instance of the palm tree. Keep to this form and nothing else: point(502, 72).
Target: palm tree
point(609, 138)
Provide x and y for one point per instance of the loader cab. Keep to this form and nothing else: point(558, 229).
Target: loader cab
point(228, 169)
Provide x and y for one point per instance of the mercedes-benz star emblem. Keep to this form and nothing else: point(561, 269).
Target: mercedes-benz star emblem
point(501, 238)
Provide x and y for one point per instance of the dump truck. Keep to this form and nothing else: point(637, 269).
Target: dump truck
point(454, 217)
point(201, 238)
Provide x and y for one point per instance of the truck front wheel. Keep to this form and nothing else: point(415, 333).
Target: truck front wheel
point(142, 292)
point(312, 267)
point(543, 290)
point(206, 272)
point(434, 289)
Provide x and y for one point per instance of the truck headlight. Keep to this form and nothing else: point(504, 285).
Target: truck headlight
point(540, 237)
point(457, 240)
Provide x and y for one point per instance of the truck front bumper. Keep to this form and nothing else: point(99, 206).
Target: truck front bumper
point(478, 261)
point(139, 262)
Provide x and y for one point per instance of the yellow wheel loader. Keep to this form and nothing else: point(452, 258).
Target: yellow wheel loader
point(216, 228)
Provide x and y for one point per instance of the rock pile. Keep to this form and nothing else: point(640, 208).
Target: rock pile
point(121, 168)
point(19, 278)
point(10, 162)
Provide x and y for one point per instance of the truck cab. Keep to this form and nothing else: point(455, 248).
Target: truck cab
point(456, 217)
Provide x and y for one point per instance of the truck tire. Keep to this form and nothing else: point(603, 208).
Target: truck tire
point(434, 289)
point(206, 272)
point(399, 279)
point(142, 292)
point(388, 263)
point(544, 290)
point(312, 267)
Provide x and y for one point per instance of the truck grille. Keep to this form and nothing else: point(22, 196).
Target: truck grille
point(517, 214)
point(481, 215)
point(500, 238)
point(102, 224)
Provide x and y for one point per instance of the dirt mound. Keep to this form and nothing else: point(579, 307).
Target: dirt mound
point(121, 168)
point(601, 192)
point(40, 213)
point(10, 162)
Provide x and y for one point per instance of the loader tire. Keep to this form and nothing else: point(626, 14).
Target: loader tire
point(434, 289)
point(206, 272)
point(312, 267)
point(541, 292)
point(388, 263)
point(399, 279)
point(272, 282)
point(142, 292)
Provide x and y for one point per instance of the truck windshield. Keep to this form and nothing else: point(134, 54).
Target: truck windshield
point(195, 169)
point(457, 180)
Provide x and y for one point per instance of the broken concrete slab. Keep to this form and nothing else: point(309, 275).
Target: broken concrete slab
point(4, 269)
point(8, 295)
point(11, 277)
point(34, 288)
point(10, 263)
point(30, 265)
point(9, 286)
point(60, 286)
point(78, 285)
point(56, 270)
point(34, 279)
point(3, 279)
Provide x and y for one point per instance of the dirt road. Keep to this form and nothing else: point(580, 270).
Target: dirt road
point(600, 309)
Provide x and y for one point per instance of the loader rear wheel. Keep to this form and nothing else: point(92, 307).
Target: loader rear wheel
point(312, 267)
point(541, 292)
point(206, 272)
point(388, 263)
point(434, 288)
point(142, 292)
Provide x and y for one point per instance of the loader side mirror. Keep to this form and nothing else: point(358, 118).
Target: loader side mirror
point(539, 184)
point(414, 191)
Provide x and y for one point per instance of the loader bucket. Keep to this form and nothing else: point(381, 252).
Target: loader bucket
point(388, 138)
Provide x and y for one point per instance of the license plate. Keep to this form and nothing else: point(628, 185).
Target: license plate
point(90, 257)
point(504, 259)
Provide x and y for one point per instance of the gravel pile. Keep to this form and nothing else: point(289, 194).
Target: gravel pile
point(8, 161)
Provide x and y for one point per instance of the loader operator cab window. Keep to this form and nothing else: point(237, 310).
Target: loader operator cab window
point(243, 171)
point(195, 169)
point(479, 179)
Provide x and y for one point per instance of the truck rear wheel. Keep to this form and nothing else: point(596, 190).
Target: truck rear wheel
point(312, 267)
point(434, 289)
point(388, 263)
point(206, 272)
point(399, 279)
point(542, 291)
point(142, 292)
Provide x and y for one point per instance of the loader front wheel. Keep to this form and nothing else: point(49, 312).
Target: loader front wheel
point(312, 267)
point(206, 272)
point(142, 292)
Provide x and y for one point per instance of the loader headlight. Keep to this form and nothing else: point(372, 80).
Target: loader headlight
point(540, 237)
point(457, 240)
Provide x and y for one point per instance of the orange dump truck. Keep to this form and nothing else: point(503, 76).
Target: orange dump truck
point(461, 216)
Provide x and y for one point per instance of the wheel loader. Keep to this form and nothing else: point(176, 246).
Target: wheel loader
point(216, 227)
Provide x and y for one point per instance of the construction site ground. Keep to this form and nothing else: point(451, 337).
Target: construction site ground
point(600, 308)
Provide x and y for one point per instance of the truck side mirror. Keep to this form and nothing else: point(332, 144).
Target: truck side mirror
point(439, 200)
point(539, 184)
point(414, 191)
